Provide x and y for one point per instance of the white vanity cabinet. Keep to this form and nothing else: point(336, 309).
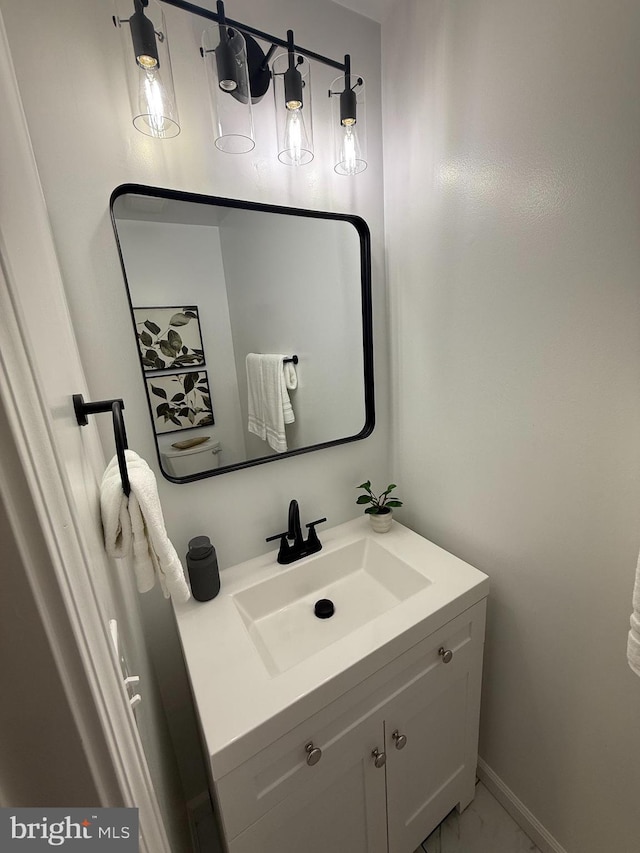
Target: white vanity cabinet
point(397, 753)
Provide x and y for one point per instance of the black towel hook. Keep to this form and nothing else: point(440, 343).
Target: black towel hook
point(83, 410)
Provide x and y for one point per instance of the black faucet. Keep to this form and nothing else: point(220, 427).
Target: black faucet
point(298, 548)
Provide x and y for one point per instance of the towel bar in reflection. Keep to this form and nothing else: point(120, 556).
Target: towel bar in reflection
point(294, 359)
point(83, 410)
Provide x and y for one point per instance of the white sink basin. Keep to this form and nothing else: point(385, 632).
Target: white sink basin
point(363, 579)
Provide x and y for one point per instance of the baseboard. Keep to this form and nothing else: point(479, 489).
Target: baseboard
point(530, 824)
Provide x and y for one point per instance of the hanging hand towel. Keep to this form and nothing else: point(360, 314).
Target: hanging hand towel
point(269, 407)
point(633, 644)
point(134, 526)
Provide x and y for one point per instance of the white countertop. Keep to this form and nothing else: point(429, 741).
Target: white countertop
point(242, 707)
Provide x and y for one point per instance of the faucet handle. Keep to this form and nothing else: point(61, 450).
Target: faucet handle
point(284, 554)
point(277, 536)
point(312, 524)
point(313, 543)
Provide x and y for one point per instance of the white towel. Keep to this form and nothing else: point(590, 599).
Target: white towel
point(134, 526)
point(633, 644)
point(269, 406)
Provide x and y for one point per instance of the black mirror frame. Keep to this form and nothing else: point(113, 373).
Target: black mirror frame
point(367, 314)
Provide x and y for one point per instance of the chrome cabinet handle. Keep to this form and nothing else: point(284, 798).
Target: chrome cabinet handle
point(379, 758)
point(314, 753)
point(399, 740)
point(445, 654)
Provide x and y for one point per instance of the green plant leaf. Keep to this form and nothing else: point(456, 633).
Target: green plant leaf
point(179, 319)
point(364, 499)
point(152, 327)
point(394, 503)
point(372, 510)
point(391, 488)
point(159, 392)
point(366, 486)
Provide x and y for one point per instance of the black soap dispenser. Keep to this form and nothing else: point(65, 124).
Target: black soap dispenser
point(202, 565)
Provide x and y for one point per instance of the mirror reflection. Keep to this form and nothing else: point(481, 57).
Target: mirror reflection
point(253, 327)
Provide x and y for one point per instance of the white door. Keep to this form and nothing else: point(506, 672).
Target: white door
point(58, 463)
point(431, 736)
point(343, 810)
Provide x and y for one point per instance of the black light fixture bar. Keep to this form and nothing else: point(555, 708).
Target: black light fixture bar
point(275, 40)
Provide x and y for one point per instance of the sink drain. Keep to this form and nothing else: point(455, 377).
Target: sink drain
point(324, 608)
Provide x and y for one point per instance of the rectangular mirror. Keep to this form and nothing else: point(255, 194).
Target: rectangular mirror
point(253, 327)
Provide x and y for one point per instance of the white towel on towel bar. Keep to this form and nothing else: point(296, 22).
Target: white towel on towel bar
point(268, 404)
point(633, 644)
point(134, 527)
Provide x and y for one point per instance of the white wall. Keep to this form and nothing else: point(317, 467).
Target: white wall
point(512, 135)
point(174, 264)
point(312, 267)
point(76, 101)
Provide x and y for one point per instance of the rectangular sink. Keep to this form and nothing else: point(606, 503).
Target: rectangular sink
point(363, 579)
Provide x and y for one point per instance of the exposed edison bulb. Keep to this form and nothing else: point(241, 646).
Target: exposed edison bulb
point(350, 160)
point(155, 106)
point(296, 142)
point(145, 61)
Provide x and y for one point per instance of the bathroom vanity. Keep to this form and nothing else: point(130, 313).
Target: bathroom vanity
point(355, 733)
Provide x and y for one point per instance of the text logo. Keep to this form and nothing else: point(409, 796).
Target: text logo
point(35, 830)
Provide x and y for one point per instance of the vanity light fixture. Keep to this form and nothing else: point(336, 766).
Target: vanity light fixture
point(224, 51)
point(349, 130)
point(292, 92)
point(150, 79)
point(238, 75)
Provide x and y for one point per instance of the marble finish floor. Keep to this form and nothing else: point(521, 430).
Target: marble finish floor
point(483, 827)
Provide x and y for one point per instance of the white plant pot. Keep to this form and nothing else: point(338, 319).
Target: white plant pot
point(381, 522)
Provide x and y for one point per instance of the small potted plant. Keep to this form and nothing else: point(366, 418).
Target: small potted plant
point(380, 511)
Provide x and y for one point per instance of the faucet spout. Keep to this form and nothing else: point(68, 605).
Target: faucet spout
point(295, 530)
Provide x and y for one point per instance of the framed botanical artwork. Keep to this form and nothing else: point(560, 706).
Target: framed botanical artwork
point(169, 337)
point(180, 401)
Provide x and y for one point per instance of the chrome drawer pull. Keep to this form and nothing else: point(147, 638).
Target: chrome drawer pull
point(314, 753)
point(379, 758)
point(445, 654)
point(399, 740)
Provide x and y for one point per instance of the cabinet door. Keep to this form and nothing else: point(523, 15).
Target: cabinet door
point(344, 810)
point(437, 713)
